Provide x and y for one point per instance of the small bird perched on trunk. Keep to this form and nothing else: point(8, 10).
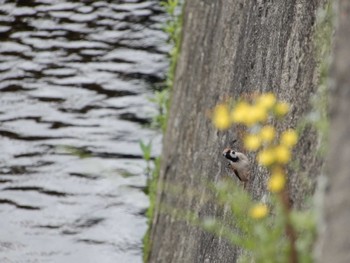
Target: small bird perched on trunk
point(239, 164)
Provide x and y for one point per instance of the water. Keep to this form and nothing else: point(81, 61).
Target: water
point(74, 82)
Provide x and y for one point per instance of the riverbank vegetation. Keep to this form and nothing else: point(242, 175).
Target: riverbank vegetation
point(161, 99)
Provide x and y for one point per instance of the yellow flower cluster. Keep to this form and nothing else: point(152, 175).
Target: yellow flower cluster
point(273, 148)
point(280, 153)
point(277, 181)
point(249, 114)
point(267, 133)
point(252, 142)
point(258, 211)
point(221, 117)
point(281, 109)
point(289, 138)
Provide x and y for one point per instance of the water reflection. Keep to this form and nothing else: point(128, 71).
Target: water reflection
point(74, 82)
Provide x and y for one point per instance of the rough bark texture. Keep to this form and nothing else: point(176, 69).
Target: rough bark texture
point(336, 239)
point(229, 48)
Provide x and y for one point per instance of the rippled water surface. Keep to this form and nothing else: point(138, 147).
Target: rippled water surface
point(74, 82)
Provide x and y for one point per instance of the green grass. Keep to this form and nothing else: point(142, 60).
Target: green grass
point(152, 193)
point(173, 28)
point(162, 99)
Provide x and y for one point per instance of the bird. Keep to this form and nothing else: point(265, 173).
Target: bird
point(238, 163)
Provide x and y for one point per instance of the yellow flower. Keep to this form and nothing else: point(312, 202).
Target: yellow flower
point(221, 117)
point(267, 100)
point(281, 108)
point(277, 181)
point(250, 117)
point(282, 154)
point(267, 133)
point(238, 115)
point(252, 142)
point(289, 138)
point(266, 157)
point(253, 115)
point(258, 211)
point(248, 114)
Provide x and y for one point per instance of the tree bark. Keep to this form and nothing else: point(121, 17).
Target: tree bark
point(230, 48)
point(336, 239)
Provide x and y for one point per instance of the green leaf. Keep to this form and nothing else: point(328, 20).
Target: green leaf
point(146, 150)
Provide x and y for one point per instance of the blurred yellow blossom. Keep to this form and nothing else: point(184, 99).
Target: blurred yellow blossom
point(266, 157)
point(281, 109)
point(240, 112)
point(277, 181)
point(251, 116)
point(289, 138)
point(258, 211)
point(221, 117)
point(267, 133)
point(252, 142)
point(282, 154)
point(267, 100)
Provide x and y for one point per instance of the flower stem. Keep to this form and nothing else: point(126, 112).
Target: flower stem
point(290, 231)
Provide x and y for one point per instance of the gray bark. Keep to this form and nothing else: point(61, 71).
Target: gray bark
point(336, 239)
point(230, 48)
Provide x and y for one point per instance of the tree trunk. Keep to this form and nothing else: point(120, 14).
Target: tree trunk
point(230, 48)
point(336, 239)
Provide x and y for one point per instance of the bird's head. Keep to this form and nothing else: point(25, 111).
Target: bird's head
point(228, 152)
